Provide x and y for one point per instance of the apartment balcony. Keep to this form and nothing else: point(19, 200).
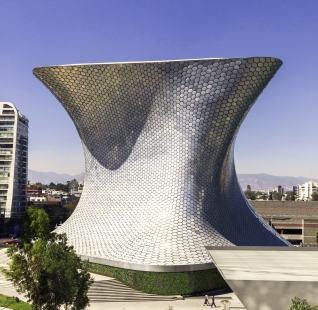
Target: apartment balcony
point(8, 112)
point(5, 148)
point(6, 130)
point(5, 139)
point(7, 118)
point(6, 135)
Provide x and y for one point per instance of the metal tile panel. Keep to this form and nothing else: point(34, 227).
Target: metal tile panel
point(158, 139)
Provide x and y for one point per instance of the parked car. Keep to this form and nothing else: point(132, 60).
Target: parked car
point(11, 241)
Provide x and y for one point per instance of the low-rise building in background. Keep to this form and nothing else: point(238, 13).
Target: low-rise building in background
point(37, 198)
point(296, 221)
point(31, 189)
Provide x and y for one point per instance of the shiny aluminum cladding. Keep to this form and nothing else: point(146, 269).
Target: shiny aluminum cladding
point(158, 140)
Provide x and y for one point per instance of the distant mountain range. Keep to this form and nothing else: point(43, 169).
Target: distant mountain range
point(267, 181)
point(48, 177)
point(257, 181)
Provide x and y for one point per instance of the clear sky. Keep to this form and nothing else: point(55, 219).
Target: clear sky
point(279, 134)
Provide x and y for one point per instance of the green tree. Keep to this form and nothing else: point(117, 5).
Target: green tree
point(290, 196)
point(45, 269)
point(277, 196)
point(39, 184)
point(314, 197)
point(301, 304)
point(249, 193)
point(63, 187)
point(71, 206)
point(317, 236)
point(52, 185)
point(36, 226)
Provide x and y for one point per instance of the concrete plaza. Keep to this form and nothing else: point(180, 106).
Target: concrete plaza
point(126, 302)
point(193, 303)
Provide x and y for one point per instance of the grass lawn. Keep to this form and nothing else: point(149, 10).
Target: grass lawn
point(9, 302)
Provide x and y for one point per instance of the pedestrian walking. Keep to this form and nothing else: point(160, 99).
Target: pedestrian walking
point(212, 302)
point(206, 300)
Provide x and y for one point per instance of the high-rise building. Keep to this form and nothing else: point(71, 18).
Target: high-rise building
point(279, 189)
point(13, 160)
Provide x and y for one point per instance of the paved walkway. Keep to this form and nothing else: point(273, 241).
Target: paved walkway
point(193, 303)
point(126, 300)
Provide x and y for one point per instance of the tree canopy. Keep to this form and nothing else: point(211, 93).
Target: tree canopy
point(290, 196)
point(314, 197)
point(277, 196)
point(58, 187)
point(249, 193)
point(301, 304)
point(45, 269)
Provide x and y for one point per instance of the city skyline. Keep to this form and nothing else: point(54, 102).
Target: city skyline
point(275, 138)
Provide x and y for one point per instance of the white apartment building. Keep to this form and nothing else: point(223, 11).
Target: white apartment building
point(38, 198)
point(305, 190)
point(13, 160)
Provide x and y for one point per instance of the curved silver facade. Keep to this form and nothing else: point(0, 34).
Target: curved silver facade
point(158, 139)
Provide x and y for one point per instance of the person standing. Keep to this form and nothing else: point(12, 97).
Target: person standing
point(212, 302)
point(206, 300)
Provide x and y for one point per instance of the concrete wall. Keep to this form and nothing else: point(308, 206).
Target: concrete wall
point(291, 215)
point(310, 228)
point(273, 295)
point(296, 209)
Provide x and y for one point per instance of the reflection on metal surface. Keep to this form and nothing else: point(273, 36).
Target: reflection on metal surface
point(158, 139)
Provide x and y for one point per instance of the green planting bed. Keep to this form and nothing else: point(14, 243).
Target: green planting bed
point(164, 283)
point(10, 303)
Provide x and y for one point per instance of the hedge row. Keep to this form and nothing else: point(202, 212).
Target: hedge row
point(164, 283)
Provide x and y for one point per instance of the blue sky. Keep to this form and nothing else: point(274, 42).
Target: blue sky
point(279, 134)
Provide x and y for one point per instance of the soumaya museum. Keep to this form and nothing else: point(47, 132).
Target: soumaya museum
point(161, 191)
